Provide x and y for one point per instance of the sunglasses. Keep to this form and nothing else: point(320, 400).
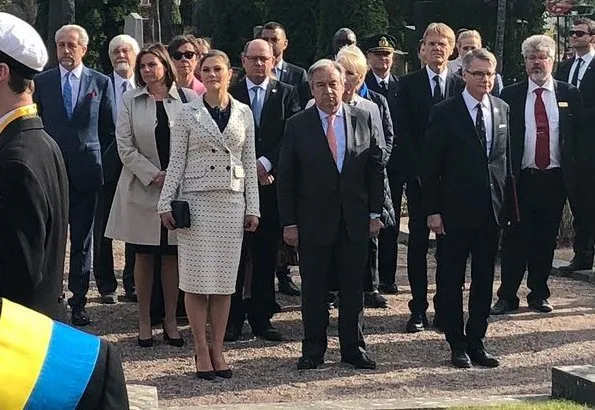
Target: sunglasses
point(177, 55)
point(578, 33)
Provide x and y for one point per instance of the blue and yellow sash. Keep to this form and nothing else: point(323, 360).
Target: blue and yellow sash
point(38, 367)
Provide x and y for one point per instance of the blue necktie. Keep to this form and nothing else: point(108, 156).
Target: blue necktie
point(257, 104)
point(67, 95)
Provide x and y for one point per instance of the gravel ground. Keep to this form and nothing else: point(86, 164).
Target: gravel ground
point(409, 366)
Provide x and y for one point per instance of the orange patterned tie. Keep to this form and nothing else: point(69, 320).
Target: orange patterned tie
point(330, 135)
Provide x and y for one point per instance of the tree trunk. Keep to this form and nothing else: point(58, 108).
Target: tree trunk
point(59, 13)
point(500, 30)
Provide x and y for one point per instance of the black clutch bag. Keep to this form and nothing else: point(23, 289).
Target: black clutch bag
point(180, 210)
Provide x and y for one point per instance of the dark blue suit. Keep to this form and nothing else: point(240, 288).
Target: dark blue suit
point(82, 138)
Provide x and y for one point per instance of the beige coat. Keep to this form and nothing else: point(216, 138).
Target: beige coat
point(133, 217)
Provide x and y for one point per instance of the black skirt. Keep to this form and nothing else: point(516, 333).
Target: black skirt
point(162, 249)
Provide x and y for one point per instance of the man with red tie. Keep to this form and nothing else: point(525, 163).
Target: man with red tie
point(545, 129)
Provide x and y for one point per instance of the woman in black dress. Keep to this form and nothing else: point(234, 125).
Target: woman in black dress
point(143, 134)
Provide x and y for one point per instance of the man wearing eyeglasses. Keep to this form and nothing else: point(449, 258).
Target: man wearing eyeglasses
point(272, 102)
point(546, 131)
point(463, 175)
point(580, 72)
point(416, 94)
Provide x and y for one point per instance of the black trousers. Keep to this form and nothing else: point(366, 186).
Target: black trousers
point(259, 249)
point(372, 277)
point(103, 257)
point(530, 243)
point(482, 244)
point(80, 219)
point(581, 205)
point(388, 245)
point(316, 265)
point(417, 251)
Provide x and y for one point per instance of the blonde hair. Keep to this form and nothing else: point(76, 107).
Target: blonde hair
point(352, 58)
point(469, 33)
point(440, 29)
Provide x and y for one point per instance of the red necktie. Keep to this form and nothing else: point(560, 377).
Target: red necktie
point(542, 143)
point(331, 136)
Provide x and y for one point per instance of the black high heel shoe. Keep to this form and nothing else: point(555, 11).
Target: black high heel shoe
point(145, 342)
point(225, 373)
point(208, 375)
point(171, 341)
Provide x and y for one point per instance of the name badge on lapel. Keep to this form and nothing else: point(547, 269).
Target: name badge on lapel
point(502, 126)
point(562, 104)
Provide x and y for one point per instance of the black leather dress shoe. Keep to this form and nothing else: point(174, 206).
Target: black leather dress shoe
point(308, 363)
point(541, 305)
point(504, 306)
point(145, 342)
point(460, 359)
point(233, 332)
point(362, 361)
point(577, 264)
point(109, 298)
point(179, 342)
point(79, 317)
point(374, 300)
point(287, 287)
point(480, 357)
point(417, 323)
point(266, 331)
point(388, 288)
point(130, 297)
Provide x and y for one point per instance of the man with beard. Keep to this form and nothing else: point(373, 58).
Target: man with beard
point(122, 53)
point(545, 130)
point(76, 105)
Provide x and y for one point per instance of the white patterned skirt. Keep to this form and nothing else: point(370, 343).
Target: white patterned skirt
point(209, 251)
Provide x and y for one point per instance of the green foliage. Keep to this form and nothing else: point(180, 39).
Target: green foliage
point(233, 22)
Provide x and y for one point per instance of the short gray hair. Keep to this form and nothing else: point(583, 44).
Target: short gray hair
point(325, 62)
point(479, 54)
point(123, 39)
point(539, 42)
point(83, 36)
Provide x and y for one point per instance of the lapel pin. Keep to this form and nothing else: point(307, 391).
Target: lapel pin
point(274, 90)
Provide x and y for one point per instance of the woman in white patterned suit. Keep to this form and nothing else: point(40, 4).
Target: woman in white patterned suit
point(212, 167)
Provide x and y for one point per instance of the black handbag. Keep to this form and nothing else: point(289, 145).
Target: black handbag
point(180, 210)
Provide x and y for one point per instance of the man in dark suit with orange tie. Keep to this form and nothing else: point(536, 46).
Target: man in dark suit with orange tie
point(272, 103)
point(463, 177)
point(330, 192)
point(545, 130)
point(416, 94)
point(77, 108)
point(580, 72)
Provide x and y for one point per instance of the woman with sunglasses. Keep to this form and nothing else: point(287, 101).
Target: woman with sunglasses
point(185, 54)
point(213, 168)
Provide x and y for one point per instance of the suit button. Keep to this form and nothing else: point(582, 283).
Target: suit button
point(213, 150)
point(228, 167)
point(259, 139)
point(212, 166)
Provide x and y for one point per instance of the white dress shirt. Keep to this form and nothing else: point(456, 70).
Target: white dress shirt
point(486, 110)
point(265, 162)
point(118, 80)
point(380, 79)
point(586, 61)
point(442, 76)
point(278, 70)
point(75, 81)
point(553, 116)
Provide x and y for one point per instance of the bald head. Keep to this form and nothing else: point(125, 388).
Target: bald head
point(257, 60)
point(343, 37)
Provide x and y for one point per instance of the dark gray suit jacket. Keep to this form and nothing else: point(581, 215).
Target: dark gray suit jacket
point(313, 195)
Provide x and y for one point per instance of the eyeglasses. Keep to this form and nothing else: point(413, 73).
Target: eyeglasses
point(254, 59)
point(479, 75)
point(177, 55)
point(578, 33)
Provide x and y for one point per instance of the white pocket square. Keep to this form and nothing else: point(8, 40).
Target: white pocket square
point(502, 126)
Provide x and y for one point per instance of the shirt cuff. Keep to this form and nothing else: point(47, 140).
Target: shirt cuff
point(266, 163)
point(290, 226)
point(374, 215)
